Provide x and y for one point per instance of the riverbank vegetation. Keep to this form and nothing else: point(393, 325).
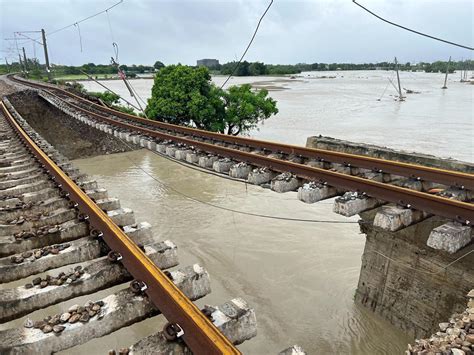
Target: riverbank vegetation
point(104, 71)
point(107, 97)
point(257, 68)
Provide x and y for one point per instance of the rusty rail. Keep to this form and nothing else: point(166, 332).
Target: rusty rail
point(442, 176)
point(460, 211)
point(200, 334)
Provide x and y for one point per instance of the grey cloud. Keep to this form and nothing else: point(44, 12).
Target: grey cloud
point(293, 31)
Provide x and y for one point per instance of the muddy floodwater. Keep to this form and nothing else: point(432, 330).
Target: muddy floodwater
point(345, 105)
point(299, 276)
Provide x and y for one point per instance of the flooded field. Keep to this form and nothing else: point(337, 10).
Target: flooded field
point(435, 121)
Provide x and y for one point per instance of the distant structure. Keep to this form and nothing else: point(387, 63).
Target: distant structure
point(210, 63)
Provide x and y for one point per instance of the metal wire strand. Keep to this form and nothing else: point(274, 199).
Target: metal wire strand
point(80, 36)
point(248, 46)
point(84, 19)
point(110, 25)
point(227, 208)
point(410, 30)
point(403, 263)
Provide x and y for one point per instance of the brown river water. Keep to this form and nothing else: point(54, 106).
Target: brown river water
point(434, 121)
point(299, 276)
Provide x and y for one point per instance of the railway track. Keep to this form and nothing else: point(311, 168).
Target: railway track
point(79, 231)
point(52, 216)
point(376, 180)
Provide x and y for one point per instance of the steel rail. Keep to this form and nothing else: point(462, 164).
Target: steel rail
point(200, 334)
point(460, 211)
point(442, 176)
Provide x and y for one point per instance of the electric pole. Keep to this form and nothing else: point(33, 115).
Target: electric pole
point(446, 75)
point(24, 59)
point(46, 58)
point(22, 67)
point(8, 66)
point(400, 96)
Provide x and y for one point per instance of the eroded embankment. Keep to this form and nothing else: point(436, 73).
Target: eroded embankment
point(71, 138)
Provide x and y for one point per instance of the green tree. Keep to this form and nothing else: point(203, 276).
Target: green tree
point(158, 65)
point(186, 96)
point(244, 109)
point(257, 68)
point(180, 95)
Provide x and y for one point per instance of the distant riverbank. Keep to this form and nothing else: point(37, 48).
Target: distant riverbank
point(83, 77)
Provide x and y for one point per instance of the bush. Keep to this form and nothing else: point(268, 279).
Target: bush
point(107, 97)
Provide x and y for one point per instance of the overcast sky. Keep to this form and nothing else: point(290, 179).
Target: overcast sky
point(292, 31)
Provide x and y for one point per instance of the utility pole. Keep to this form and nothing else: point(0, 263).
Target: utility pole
point(22, 67)
point(400, 97)
point(8, 66)
point(123, 76)
point(446, 75)
point(24, 60)
point(46, 58)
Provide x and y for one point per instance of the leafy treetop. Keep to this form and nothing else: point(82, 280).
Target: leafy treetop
point(185, 95)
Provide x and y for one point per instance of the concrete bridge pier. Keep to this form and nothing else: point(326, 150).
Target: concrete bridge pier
point(412, 285)
point(416, 268)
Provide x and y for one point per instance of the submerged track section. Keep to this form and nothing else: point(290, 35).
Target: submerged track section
point(324, 167)
point(101, 230)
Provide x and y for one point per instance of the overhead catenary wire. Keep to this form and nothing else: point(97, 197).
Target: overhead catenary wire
point(84, 19)
point(393, 84)
point(110, 26)
point(28, 37)
point(248, 46)
point(386, 86)
point(411, 30)
point(109, 90)
point(80, 36)
point(388, 83)
point(116, 51)
point(75, 24)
